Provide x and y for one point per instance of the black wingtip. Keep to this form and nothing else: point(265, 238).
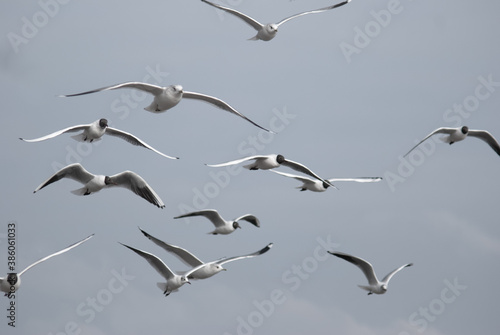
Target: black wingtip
point(145, 234)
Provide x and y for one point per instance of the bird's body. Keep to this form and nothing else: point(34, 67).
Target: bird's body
point(267, 162)
point(315, 185)
point(460, 134)
point(165, 98)
point(12, 281)
point(94, 131)
point(266, 32)
point(95, 183)
point(222, 227)
point(374, 285)
point(173, 280)
point(205, 270)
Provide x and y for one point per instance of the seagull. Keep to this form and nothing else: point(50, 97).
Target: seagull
point(94, 131)
point(459, 134)
point(174, 281)
point(267, 32)
point(168, 97)
point(267, 162)
point(375, 286)
point(222, 226)
point(12, 281)
point(205, 270)
point(319, 186)
point(95, 183)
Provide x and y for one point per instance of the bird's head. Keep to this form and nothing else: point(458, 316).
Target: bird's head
point(236, 225)
point(217, 268)
point(12, 278)
point(465, 130)
point(280, 159)
point(185, 280)
point(103, 123)
point(176, 89)
point(384, 288)
point(271, 28)
point(326, 185)
point(108, 181)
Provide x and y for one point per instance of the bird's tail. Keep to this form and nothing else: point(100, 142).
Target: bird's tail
point(255, 38)
point(80, 191)
point(367, 288)
point(78, 137)
point(250, 166)
point(445, 139)
point(162, 286)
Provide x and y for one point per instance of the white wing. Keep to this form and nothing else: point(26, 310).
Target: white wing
point(249, 218)
point(442, 130)
point(358, 180)
point(252, 22)
point(74, 171)
point(304, 169)
point(182, 254)
point(153, 89)
point(487, 137)
point(390, 274)
point(300, 178)
point(57, 133)
point(219, 103)
point(237, 161)
point(133, 140)
point(313, 11)
point(155, 262)
point(210, 214)
point(74, 245)
point(138, 185)
point(235, 258)
point(366, 267)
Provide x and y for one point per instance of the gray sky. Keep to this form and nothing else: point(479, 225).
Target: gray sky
point(348, 92)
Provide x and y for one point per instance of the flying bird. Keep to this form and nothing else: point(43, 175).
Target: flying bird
point(459, 134)
point(168, 97)
point(173, 280)
point(94, 131)
point(222, 226)
point(375, 286)
point(267, 162)
point(205, 270)
point(12, 281)
point(95, 183)
point(267, 32)
point(319, 186)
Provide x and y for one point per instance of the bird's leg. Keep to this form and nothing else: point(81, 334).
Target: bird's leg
point(370, 293)
point(87, 192)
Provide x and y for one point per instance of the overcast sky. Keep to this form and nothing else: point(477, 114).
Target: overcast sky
point(348, 92)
